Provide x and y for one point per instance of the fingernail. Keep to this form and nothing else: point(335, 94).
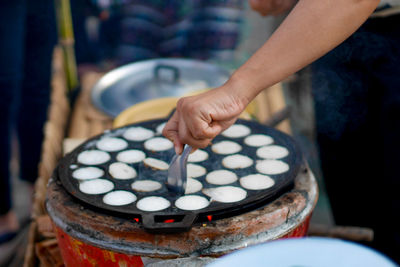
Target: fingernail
point(177, 150)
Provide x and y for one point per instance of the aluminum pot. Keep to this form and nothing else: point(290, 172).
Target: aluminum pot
point(155, 78)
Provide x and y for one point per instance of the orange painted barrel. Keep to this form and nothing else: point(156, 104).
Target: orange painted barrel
point(88, 237)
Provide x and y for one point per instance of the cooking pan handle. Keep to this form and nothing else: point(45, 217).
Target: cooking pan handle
point(153, 225)
point(175, 72)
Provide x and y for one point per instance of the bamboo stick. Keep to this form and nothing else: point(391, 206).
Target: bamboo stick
point(66, 40)
point(276, 102)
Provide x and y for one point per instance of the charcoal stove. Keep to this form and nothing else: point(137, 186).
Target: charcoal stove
point(91, 233)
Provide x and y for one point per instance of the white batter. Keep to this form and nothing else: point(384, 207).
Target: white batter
point(221, 177)
point(153, 203)
point(257, 140)
point(226, 147)
point(93, 157)
point(226, 194)
point(119, 198)
point(191, 202)
point(96, 186)
point(87, 173)
point(111, 144)
point(122, 171)
point(131, 156)
point(158, 144)
point(146, 186)
point(138, 134)
point(256, 182)
point(237, 161)
point(272, 166)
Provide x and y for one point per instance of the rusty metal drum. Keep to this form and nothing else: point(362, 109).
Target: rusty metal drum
point(90, 238)
point(90, 232)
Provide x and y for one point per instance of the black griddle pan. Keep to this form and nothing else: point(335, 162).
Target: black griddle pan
point(183, 220)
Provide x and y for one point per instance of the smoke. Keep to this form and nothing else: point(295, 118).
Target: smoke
point(345, 82)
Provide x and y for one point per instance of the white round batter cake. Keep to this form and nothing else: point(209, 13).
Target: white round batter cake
point(122, 171)
point(153, 203)
point(119, 198)
point(191, 202)
point(158, 144)
point(193, 186)
point(146, 186)
point(194, 170)
point(111, 144)
point(237, 161)
point(156, 164)
point(221, 177)
point(256, 182)
point(236, 131)
point(138, 134)
point(272, 166)
point(226, 194)
point(96, 186)
point(257, 140)
point(93, 157)
point(87, 173)
point(226, 147)
point(131, 156)
point(198, 156)
point(272, 152)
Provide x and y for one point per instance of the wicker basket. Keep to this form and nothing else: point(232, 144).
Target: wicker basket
point(85, 121)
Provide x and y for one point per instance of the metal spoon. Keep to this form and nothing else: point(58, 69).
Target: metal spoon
point(177, 173)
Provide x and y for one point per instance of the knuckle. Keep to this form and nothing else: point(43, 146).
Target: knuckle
point(204, 143)
point(182, 104)
point(199, 133)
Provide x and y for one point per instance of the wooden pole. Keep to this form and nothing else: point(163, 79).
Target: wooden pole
point(66, 40)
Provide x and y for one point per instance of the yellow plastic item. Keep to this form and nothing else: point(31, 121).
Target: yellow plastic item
point(161, 108)
point(146, 110)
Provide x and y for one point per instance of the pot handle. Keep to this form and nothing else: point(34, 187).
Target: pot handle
point(167, 69)
point(152, 224)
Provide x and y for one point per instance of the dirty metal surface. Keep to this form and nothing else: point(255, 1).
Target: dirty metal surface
point(278, 219)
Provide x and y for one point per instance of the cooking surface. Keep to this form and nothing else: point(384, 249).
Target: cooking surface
point(183, 219)
point(281, 217)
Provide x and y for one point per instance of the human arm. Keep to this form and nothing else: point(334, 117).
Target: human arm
point(312, 28)
point(271, 7)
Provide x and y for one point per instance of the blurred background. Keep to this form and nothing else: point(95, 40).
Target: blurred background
point(107, 34)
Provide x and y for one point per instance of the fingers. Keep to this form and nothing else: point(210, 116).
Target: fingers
point(170, 131)
point(186, 136)
point(199, 119)
point(179, 133)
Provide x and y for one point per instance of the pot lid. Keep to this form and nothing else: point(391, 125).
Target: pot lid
point(311, 251)
point(149, 79)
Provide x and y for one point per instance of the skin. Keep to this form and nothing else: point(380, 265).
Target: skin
point(271, 7)
point(312, 28)
point(8, 222)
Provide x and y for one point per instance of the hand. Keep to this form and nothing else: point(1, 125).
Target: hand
point(271, 7)
point(198, 119)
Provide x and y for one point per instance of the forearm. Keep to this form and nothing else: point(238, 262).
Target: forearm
point(313, 28)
